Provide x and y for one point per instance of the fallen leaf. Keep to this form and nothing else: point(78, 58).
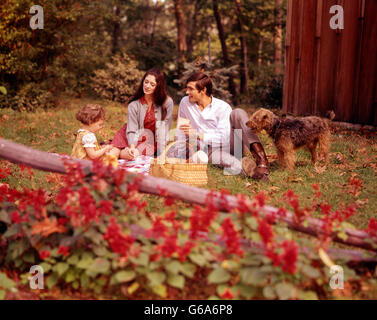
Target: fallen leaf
point(47, 227)
point(319, 169)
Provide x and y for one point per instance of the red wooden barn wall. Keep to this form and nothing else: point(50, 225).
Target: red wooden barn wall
point(331, 69)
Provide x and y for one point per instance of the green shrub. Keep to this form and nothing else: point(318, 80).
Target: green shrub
point(266, 87)
point(118, 81)
point(30, 97)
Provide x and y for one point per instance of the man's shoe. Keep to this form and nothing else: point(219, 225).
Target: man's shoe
point(261, 172)
point(248, 166)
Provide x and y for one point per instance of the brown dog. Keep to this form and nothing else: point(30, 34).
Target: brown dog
point(290, 134)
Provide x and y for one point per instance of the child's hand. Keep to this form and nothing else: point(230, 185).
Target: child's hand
point(109, 147)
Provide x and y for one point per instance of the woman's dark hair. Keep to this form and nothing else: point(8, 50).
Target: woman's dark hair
point(202, 81)
point(159, 95)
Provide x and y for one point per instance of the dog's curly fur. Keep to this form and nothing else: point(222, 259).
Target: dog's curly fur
point(290, 134)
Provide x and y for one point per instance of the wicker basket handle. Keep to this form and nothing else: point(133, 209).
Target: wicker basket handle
point(164, 153)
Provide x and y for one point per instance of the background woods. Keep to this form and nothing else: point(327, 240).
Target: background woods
point(82, 37)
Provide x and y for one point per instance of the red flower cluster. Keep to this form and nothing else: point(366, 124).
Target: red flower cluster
point(158, 230)
point(266, 232)
point(261, 199)
point(44, 254)
point(16, 218)
point(63, 250)
point(230, 235)
point(105, 207)
point(4, 172)
point(170, 246)
point(227, 294)
point(88, 206)
point(292, 199)
point(176, 224)
point(118, 242)
point(288, 258)
point(200, 220)
point(372, 227)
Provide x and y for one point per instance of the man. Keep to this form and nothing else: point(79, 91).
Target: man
point(219, 130)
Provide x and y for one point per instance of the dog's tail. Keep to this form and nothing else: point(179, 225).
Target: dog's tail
point(330, 115)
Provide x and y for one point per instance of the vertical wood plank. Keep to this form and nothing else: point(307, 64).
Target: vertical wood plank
point(366, 111)
point(319, 14)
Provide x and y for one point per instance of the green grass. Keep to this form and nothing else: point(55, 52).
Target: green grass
point(351, 155)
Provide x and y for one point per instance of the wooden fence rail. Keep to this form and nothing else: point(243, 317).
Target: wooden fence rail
point(18, 153)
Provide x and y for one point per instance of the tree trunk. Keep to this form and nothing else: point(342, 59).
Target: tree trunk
point(278, 36)
point(116, 30)
point(193, 29)
point(224, 48)
point(18, 153)
point(244, 73)
point(181, 33)
point(156, 13)
point(260, 50)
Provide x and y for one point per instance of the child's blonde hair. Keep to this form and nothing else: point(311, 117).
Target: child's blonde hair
point(90, 113)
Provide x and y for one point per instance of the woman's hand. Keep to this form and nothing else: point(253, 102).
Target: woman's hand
point(133, 152)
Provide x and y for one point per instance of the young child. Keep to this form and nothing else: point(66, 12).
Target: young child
point(92, 117)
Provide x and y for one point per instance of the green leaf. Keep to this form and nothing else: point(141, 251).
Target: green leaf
point(247, 291)
point(2, 294)
point(251, 260)
point(252, 223)
point(285, 290)
point(176, 281)
point(100, 251)
point(188, 269)
point(74, 259)
point(100, 265)
point(253, 276)
point(173, 267)
point(141, 260)
point(29, 257)
point(61, 268)
point(85, 261)
point(197, 259)
point(156, 278)
point(45, 266)
point(160, 290)
point(93, 235)
point(310, 271)
point(12, 230)
point(5, 282)
point(219, 275)
point(3, 90)
point(307, 295)
point(4, 217)
point(84, 280)
point(75, 285)
point(52, 279)
point(124, 276)
point(70, 276)
point(269, 292)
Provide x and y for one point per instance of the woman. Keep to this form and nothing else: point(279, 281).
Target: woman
point(149, 119)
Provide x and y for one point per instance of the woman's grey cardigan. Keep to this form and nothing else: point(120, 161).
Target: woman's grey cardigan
point(135, 122)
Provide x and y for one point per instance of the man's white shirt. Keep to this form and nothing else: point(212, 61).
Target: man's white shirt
point(213, 122)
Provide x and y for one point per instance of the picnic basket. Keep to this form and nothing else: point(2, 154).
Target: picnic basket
point(180, 170)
